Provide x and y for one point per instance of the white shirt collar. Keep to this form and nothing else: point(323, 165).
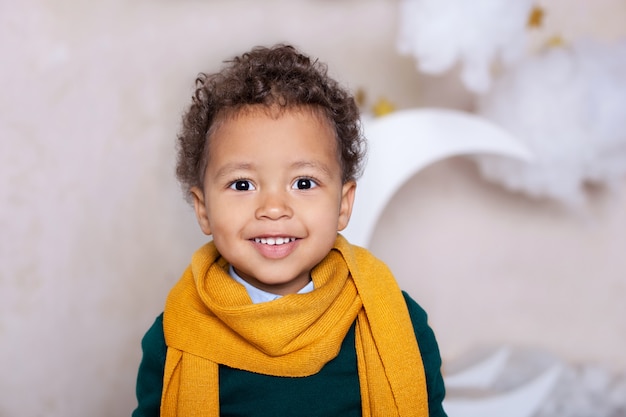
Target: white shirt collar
point(259, 296)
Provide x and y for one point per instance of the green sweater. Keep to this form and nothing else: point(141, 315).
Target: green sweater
point(334, 391)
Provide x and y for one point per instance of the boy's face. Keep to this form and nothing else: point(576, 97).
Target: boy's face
point(273, 197)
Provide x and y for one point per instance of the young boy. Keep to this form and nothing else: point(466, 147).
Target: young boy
point(279, 315)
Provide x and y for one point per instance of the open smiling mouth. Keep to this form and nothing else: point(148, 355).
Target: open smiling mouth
point(274, 240)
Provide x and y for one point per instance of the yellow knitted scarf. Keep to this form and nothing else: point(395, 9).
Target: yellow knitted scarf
point(210, 320)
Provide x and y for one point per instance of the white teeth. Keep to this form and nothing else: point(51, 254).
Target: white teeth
point(274, 240)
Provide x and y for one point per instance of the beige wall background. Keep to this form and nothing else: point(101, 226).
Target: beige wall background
point(94, 230)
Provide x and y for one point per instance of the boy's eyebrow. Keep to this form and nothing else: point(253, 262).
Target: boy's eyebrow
point(228, 169)
point(313, 164)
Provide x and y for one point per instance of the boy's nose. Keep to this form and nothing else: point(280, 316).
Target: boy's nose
point(273, 206)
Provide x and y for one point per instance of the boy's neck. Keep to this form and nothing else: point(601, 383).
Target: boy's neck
point(258, 295)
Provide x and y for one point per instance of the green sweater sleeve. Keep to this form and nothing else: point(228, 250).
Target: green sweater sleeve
point(151, 370)
point(431, 357)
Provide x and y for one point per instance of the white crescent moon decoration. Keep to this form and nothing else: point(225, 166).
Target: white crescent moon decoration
point(402, 143)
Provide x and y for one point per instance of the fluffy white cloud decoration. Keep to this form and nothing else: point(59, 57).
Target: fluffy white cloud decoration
point(440, 33)
point(568, 105)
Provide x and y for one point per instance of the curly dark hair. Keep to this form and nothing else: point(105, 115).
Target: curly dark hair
point(277, 77)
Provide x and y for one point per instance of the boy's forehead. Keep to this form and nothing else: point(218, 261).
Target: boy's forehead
point(232, 117)
point(273, 112)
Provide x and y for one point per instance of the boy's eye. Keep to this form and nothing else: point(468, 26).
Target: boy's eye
point(304, 184)
point(242, 185)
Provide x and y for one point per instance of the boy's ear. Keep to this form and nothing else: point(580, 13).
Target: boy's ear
point(347, 201)
point(199, 207)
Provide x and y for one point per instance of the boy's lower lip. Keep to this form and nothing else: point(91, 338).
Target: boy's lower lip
point(275, 251)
